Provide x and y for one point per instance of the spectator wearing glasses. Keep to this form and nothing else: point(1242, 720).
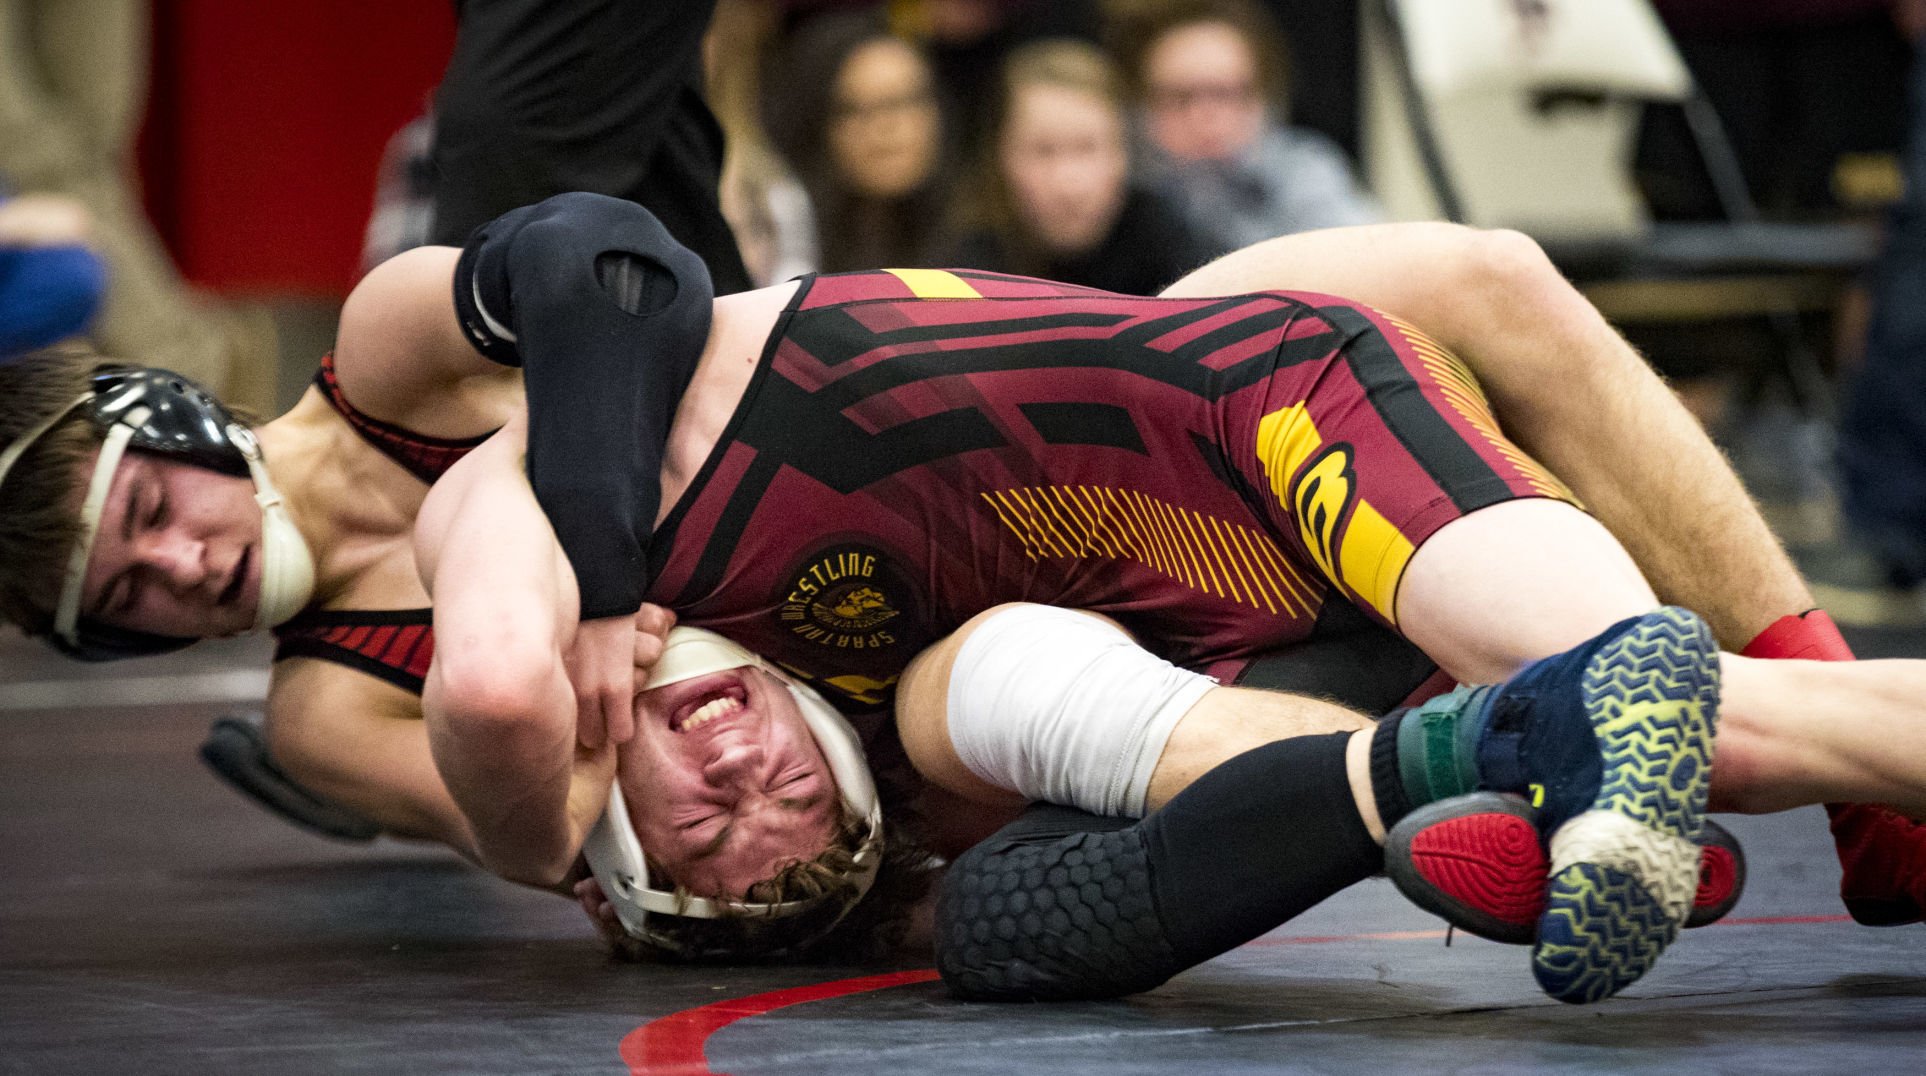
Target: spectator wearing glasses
point(854, 110)
point(1210, 77)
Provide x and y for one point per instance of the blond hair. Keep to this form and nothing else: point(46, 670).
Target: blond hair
point(845, 923)
point(987, 203)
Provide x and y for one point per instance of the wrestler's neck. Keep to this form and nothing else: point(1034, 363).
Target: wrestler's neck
point(340, 495)
point(738, 335)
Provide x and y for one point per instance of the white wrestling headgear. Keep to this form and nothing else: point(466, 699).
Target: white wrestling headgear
point(615, 854)
point(161, 412)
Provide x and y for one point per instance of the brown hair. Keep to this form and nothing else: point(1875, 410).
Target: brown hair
point(37, 521)
point(986, 203)
point(799, 100)
point(1137, 25)
point(845, 925)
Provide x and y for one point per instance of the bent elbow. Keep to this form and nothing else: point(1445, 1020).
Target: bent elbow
point(491, 690)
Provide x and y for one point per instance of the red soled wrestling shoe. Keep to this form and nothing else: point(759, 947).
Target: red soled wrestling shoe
point(1476, 861)
point(1882, 853)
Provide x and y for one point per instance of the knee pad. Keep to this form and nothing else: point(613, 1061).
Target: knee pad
point(1065, 708)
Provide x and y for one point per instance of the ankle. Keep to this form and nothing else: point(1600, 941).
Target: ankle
point(1427, 753)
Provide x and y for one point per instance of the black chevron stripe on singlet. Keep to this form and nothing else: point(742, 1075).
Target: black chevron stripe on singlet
point(1395, 395)
point(1129, 351)
point(812, 432)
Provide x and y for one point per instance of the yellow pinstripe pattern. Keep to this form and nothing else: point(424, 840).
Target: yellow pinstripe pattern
point(1460, 387)
point(1205, 553)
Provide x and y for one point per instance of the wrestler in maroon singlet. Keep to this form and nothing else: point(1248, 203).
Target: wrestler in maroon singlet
point(920, 445)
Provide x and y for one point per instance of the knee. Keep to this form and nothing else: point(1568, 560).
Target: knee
point(1512, 267)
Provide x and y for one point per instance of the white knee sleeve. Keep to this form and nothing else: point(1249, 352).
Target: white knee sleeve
point(1065, 708)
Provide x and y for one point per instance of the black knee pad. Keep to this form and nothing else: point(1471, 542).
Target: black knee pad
point(607, 315)
point(1027, 916)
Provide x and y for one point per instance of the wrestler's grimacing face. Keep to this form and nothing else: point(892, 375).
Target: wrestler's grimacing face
point(727, 782)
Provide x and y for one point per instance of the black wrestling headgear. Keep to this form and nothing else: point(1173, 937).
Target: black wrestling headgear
point(159, 412)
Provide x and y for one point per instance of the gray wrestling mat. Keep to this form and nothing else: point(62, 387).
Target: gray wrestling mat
point(152, 922)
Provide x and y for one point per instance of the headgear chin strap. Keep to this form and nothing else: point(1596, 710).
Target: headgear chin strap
point(615, 854)
point(287, 565)
point(163, 413)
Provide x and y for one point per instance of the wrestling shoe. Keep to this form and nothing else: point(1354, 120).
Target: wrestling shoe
point(1477, 862)
point(1613, 741)
point(1883, 854)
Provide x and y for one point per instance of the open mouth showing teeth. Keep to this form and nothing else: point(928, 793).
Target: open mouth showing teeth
point(699, 713)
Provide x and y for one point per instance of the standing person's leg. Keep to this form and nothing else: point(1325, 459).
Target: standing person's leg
point(1882, 435)
point(1569, 390)
point(606, 96)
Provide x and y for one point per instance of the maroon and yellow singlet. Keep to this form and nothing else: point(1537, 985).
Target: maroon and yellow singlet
point(919, 445)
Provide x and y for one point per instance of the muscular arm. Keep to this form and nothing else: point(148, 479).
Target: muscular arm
point(358, 742)
point(402, 358)
point(500, 710)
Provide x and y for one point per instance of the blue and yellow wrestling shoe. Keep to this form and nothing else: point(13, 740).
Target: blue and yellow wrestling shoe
point(1612, 741)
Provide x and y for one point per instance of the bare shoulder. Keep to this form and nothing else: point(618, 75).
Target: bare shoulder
point(401, 357)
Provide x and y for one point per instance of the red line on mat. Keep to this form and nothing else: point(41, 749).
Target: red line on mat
point(675, 1045)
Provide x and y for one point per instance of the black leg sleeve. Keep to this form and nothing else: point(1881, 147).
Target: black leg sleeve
point(1064, 905)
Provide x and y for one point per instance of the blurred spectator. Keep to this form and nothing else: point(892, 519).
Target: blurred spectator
point(1051, 195)
point(50, 281)
point(1210, 80)
point(1882, 443)
point(854, 109)
point(73, 79)
point(404, 202)
point(762, 199)
point(966, 42)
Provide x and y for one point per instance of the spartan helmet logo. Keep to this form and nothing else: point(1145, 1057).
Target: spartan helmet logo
point(849, 597)
point(859, 603)
point(1321, 498)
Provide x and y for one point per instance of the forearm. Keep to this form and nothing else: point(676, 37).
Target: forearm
point(607, 316)
point(499, 705)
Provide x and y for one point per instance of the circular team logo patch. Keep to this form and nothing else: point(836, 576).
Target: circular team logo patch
point(848, 597)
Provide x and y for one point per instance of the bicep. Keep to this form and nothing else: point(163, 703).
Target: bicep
point(359, 742)
point(483, 546)
point(401, 355)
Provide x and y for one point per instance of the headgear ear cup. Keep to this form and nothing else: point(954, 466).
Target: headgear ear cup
point(616, 855)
